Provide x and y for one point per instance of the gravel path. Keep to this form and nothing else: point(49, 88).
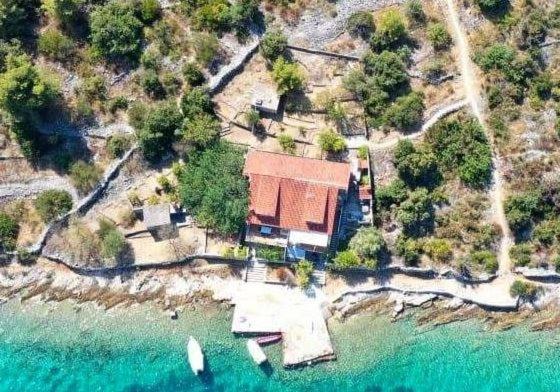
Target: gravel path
point(472, 90)
point(21, 190)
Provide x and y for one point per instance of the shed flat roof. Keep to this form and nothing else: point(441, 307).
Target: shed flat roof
point(157, 215)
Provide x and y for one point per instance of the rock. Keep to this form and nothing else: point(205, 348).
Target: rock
point(173, 314)
point(398, 309)
point(419, 299)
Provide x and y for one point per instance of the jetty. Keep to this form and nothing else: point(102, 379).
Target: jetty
point(256, 352)
point(271, 309)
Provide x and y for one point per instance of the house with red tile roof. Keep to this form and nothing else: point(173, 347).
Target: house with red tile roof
point(294, 202)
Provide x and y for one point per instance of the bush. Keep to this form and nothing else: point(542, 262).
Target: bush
point(116, 32)
point(416, 214)
point(196, 101)
point(503, 58)
point(416, 167)
point(151, 84)
point(360, 24)
point(438, 249)
point(547, 232)
point(206, 47)
point(409, 249)
point(288, 76)
point(9, 229)
point(171, 83)
point(368, 243)
point(137, 114)
point(387, 70)
point(113, 242)
point(149, 10)
point(273, 45)
point(117, 103)
point(415, 11)
point(492, 5)
point(304, 270)
point(346, 259)
point(117, 145)
point(486, 259)
point(252, 117)
point(66, 12)
point(214, 189)
point(270, 253)
point(407, 111)
point(521, 254)
point(391, 30)
point(438, 36)
point(212, 15)
point(55, 45)
point(332, 142)
point(93, 88)
point(287, 143)
point(53, 203)
point(85, 176)
point(520, 209)
point(363, 152)
point(193, 75)
point(201, 130)
point(392, 194)
point(524, 290)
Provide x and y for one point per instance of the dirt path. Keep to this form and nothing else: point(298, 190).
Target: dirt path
point(439, 114)
point(472, 93)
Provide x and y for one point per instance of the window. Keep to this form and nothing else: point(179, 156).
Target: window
point(266, 230)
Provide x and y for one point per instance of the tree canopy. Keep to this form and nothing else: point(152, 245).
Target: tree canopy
point(213, 188)
point(158, 130)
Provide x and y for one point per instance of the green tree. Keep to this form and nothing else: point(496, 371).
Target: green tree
point(330, 141)
point(438, 36)
point(521, 254)
point(392, 194)
point(213, 188)
point(492, 5)
point(201, 130)
point(157, 132)
point(150, 11)
point(416, 167)
point(287, 143)
point(212, 15)
point(520, 209)
point(113, 244)
point(53, 203)
point(9, 229)
point(196, 101)
point(416, 214)
point(193, 75)
point(116, 32)
point(406, 112)
point(273, 45)
point(368, 243)
point(288, 76)
point(360, 24)
point(66, 12)
point(387, 69)
point(409, 249)
point(117, 145)
point(346, 259)
point(16, 17)
point(526, 291)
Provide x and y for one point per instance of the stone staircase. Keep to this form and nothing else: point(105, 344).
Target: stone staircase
point(319, 277)
point(256, 272)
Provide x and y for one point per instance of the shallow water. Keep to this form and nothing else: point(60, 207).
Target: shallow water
point(53, 347)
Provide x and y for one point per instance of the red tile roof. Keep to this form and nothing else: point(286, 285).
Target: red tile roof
point(293, 192)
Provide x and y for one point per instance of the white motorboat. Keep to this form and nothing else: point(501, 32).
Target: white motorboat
point(256, 352)
point(196, 358)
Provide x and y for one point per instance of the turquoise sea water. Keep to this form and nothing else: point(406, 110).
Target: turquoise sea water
point(54, 348)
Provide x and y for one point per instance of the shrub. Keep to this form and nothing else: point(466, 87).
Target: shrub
point(193, 75)
point(117, 145)
point(85, 176)
point(149, 10)
point(391, 29)
point(407, 111)
point(332, 142)
point(270, 253)
point(112, 244)
point(117, 103)
point(211, 15)
point(273, 45)
point(201, 130)
point(304, 270)
point(53, 203)
point(196, 101)
point(8, 231)
point(93, 88)
point(55, 45)
point(519, 210)
point(438, 36)
point(524, 290)
point(547, 232)
point(346, 259)
point(252, 117)
point(360, 24)
point(503, 58)
point(416, 167)
point(368, 243)
point(137, 114)
point(288, 76)
point(521, 254)
point(287, 143)
point(416, 214)
point(438, 249)
point(66, 12)
point(171, 83)
point(151, 84)
point(491, 5)
point(486, 259)
point(116, 32)
point(415, 11)
point(206, 47)
point(409, 249)
point(363, 152)
point(392, 194)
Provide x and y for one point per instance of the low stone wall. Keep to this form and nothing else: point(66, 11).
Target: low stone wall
point(324, 53)
point(539, 274)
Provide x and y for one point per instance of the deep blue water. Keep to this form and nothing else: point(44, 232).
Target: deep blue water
point(141, 350)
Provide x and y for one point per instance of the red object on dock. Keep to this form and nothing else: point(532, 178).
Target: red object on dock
point(269, 339)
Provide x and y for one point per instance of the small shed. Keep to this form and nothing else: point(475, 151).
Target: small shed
point(157, 219)
point(265, 99)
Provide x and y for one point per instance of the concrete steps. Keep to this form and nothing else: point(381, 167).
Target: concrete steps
point(256, 272)
point(319, 277)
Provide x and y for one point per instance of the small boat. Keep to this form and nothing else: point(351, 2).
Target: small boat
point(269, 339)
point(256, 352)
point(196, 358)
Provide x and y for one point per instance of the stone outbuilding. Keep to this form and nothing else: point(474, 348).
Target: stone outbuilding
point(265, 99)
point(157, 219)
